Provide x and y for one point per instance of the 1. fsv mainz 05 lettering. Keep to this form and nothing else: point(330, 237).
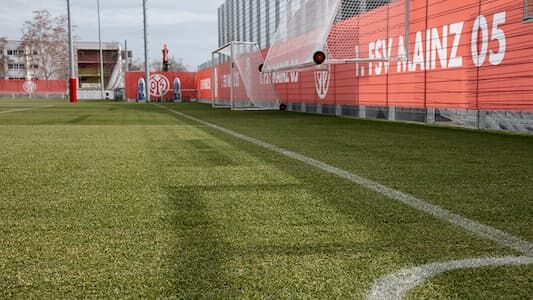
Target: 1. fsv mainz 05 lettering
point(438, 48)
point(434, 48)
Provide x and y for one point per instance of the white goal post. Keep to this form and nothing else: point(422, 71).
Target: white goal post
point(238, 81)
point(315, 32)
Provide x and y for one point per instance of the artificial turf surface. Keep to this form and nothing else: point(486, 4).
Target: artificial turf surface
point(130, 200)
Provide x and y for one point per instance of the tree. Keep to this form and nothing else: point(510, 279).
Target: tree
point(45, 39)
point(136, 65)
point(4, 59)
point(174, 65)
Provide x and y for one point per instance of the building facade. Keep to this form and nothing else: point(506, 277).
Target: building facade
point(88, 65)
point(249, 20)
point(16, 64)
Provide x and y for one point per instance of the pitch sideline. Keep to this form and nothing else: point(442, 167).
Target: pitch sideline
point(500, 237)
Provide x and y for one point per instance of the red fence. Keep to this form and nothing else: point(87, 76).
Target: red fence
point(462, 54)
point(204, 84)
point(162, 85)
point(33, 87)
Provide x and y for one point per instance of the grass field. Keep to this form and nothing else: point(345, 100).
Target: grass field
point(134, 201)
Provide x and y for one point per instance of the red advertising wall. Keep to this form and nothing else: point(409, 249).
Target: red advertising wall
point(204, 84)
point(462, 54)
point(162, 85)
point(33, 86)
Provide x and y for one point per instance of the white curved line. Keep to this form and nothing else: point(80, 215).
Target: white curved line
point(24, 109)
point(396, 285)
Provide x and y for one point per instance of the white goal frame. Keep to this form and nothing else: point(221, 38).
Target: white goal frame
point(236, 104)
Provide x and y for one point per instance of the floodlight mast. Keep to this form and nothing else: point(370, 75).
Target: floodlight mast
point(101, 52)
point(146, 71)
point(73, 84)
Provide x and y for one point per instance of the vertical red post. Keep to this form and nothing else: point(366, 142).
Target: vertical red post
point(73, 89)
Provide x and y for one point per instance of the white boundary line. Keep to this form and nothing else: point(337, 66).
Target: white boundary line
point(23, 109)
point(496, 235)
point(396, 285)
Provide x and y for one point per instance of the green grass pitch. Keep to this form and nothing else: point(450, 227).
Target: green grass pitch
point(120, 200)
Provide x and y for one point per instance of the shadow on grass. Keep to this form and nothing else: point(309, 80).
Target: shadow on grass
point(79, 119)
point(199, 254)
point(210, 155)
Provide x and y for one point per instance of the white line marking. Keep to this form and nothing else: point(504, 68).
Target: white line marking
point(496, 235)
point(396, 285)
point(24, 109)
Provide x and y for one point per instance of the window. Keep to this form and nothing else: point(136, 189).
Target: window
point(16, 52)
point(16, 66)
point(35, 66)
point(528, 10)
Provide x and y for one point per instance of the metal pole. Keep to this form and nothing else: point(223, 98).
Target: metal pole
point(146, 71)
point(232, 79)
point(213, 79)
point(127, 57)
point(126, 70)
point(407, 29)
point(101, 52)
point(72, 79)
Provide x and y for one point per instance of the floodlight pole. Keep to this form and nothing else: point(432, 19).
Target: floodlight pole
point(101, 52)
point(73, 82)
point(127, 57)
point(407, 28)
point(146, 71)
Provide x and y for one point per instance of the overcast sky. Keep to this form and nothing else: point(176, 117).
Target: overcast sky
point(188, 27)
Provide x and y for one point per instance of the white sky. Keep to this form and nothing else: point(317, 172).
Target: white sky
point(188, 27)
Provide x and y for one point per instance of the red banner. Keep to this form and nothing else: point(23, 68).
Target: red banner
point(163, 85)
point(33, 87)
point(204, 84)
point(462, 54)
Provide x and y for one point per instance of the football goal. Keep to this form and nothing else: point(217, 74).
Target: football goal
point(238, 81)
point(315, 32)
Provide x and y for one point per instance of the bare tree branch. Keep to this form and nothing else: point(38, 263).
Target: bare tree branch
point(174, 65)
point(45, 40)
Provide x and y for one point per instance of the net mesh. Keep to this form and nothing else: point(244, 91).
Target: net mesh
point(346, 30)
point(240, 84)
point(302, 31)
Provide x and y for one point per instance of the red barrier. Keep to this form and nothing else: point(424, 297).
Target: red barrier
point(204, 84)
point(462, 54)
point(33, 87)
point(73, 88)
point(162, 85)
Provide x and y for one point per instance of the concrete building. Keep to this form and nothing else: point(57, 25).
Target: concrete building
point(88, 65)
point(16, 64)
point(249, 20)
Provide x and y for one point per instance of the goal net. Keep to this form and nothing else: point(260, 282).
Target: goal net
point(314, 32)
point(239, 83)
